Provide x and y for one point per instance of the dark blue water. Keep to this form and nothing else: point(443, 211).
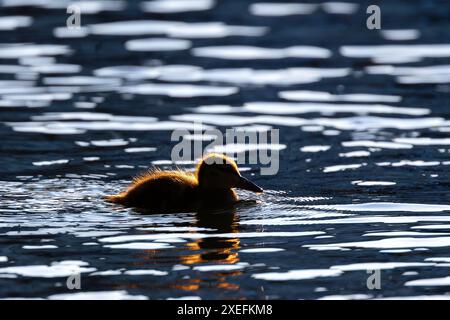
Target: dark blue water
point(364, 131)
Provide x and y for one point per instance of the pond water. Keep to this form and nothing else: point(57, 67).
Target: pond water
point(364, 120)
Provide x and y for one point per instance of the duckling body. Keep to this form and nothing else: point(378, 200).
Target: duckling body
point(210, 187)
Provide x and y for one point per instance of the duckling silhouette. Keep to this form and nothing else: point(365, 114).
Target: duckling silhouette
point(210, 187)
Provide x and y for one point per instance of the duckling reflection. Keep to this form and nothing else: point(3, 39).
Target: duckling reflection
point(199, 251)
point(211, 187)
point(216, 250)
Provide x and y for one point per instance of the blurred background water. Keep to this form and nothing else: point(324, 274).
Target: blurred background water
point(364, 131)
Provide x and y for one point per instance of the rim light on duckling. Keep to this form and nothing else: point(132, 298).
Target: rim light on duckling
point(210, 187)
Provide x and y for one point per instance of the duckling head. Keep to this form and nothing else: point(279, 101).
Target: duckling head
point(217, 171)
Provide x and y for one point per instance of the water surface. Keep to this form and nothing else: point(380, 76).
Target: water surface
point(364, 148)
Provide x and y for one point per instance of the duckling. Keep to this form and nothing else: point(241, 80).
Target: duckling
point(210, 187)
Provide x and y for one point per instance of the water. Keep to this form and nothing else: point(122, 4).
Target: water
point(364, 148)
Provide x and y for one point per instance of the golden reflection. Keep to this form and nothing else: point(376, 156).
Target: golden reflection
point(228, 286)
point(213, 250)
point(188, 285)
point(221, 250)
point(209, 250)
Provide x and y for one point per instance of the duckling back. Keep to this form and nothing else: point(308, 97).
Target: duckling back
point(161, 191)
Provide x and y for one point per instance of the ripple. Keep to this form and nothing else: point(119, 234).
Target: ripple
point(57, 68)
point(64, 32)
point(245, 147)
point(400, 34)
point(174, 29)
point(49, 163)
point(204, 235)
point(88, 116)
point(14, 22)
point(380, 266)
point(39, 97)
point(281, 9)
point(177, 6)
point(445, 281)
point(146, 272)
point(66, 127)
point(56, 270)
point(314, 148)
point(297, 275)
point(403, 233)
point(423, 141)
point(433, 227)
point(239, 76)
point(416, 52)
point(355, 154)
point(340, 7)
point(390, 243)
point(222, 267)
point(324, 108)
point(303, 95)
point(81, 81)
point(348, 123)
point(423, 79)
point(139, 246)
point(104, 143)
point(356, 296)
point(252, 76)
point(409, 163)
point(261, 250)
point(43, 247)
point(140, 149)
point(343, 167)
point(373, 183)
point(433, 70)
point(416, 297)
point(157, 44)
point(272, 9)
point(14, 51)
point(180, 90)
point(438, 259)
point(87, 7)
point(353, 220)
point(251, 53)
point(94, 7)
point(387, 207)
point(97, 295)
point(186, 298)
point(366, 123)
point(378, 144)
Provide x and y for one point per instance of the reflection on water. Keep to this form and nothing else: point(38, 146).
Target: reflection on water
point(53, 228)
point(221, 252)
point(364, 148)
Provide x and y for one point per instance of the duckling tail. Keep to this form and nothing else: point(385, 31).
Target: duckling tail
point(117, 198)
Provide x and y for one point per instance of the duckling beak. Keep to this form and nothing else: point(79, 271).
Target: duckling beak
point(246, 184)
